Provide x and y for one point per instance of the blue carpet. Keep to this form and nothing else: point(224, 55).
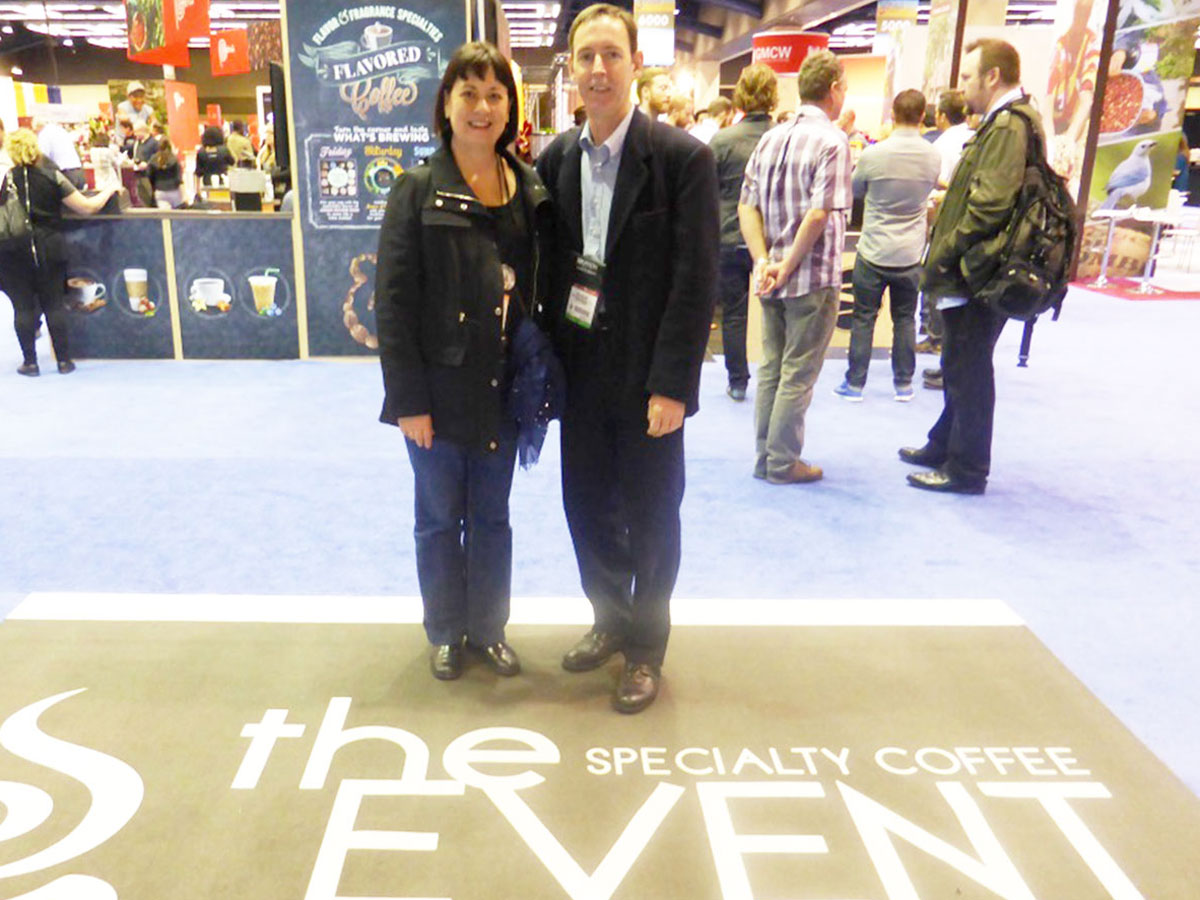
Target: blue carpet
point(258, 477)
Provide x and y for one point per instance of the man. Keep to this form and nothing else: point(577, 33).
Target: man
point(718, 115)
point(681, 112)
point(756, 94)
point(654, 92)
point(59, 147)
point(144, 147)
point(956, 131)
point(134, 108)
point(635, 270)
point(963, 254)
point(793, 210)
point(237, 142)
point(895, 176)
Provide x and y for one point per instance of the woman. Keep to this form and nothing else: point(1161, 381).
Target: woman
point(213, 158)
point(34, 275)
point(165, 176)
point(458, 267)
point(106, 162)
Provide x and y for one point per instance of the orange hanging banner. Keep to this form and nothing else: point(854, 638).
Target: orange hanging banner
point(229, 52)
point(154, 35)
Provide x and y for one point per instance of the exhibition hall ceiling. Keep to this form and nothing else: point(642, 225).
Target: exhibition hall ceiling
point(532, 23)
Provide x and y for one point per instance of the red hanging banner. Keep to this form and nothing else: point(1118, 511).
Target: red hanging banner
point(190, 18)
point(153, 32)
point(229, 52)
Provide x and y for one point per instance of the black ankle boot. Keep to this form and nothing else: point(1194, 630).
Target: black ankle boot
point(30, 368)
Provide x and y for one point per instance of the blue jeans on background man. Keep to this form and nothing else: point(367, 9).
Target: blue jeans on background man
point(464, 540)
point(869, 282)
point(736, 266)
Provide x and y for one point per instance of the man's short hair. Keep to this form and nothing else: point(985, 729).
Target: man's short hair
point(997, 54)
point(720, 106)
point(647, 78)
point(757, 89)
point(597, 11)
point(953, 105)
point(819, 72)
point(908, 107)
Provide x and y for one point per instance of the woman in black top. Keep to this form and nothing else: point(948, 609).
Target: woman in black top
point(165, 176)
point(213, 157)
point(458, 268)
point(34, 273)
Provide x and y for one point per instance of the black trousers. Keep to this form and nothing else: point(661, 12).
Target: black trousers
point(622, 490)
point(735, 268)
point(36, 291)
point(964, 430)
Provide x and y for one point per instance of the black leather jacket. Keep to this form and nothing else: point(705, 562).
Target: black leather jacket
point(437, 262)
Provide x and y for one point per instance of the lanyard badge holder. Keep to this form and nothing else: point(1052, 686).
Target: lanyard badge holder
point(585, 303)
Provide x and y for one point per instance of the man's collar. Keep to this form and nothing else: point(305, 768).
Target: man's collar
point(1003, 100)
point(808, 109)
point(907, 130)
point(615, 141)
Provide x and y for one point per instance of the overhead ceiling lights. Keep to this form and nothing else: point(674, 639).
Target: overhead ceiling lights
point(103, 23)
point(531, 24)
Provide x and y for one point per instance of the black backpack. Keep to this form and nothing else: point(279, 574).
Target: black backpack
point(1039, 244)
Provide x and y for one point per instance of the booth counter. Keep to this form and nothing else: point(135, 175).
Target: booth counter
point(183, 284)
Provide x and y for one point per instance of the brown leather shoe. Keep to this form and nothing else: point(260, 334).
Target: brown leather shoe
point(593, 650)
point(638, 687)
point(799, 473)
point(446, 661)
point(500, 657)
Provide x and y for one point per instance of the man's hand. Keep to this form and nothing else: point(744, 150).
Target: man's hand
point(664, 415)
point(418, 429)
point(770, 276)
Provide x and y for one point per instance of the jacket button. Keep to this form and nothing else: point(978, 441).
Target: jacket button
point(495, 382)
point(492, 445)
point(462, 206)
point(499, 311)
point(437, 202)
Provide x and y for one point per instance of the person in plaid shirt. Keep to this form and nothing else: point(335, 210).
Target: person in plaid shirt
point(795, 201)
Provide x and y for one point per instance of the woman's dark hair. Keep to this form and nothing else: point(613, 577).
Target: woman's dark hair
point(165, 157)
point(477, 58)
point(212, 136)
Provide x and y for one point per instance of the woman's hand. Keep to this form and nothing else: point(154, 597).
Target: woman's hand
point(418, 429)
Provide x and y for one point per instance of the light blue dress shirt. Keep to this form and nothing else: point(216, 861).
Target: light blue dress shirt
point(597, 184)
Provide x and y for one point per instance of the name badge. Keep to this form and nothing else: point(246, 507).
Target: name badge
point(584, 302)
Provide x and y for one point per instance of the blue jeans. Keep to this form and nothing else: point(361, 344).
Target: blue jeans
point(464, 541)
point(901, 284)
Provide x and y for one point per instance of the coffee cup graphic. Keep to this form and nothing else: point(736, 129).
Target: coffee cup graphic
point(209, 290)
point(137, 287)
point(87, 292)
point(376, 36)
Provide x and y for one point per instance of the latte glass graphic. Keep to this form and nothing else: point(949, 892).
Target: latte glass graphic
point(376, 36)
point(263, 288)
point(136, 286)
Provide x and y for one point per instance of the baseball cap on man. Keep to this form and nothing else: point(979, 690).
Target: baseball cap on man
point(134, 87)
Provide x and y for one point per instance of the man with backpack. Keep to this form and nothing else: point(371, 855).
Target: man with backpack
point(965, 251)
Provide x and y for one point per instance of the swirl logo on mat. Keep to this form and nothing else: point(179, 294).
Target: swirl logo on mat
point(116, 793)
